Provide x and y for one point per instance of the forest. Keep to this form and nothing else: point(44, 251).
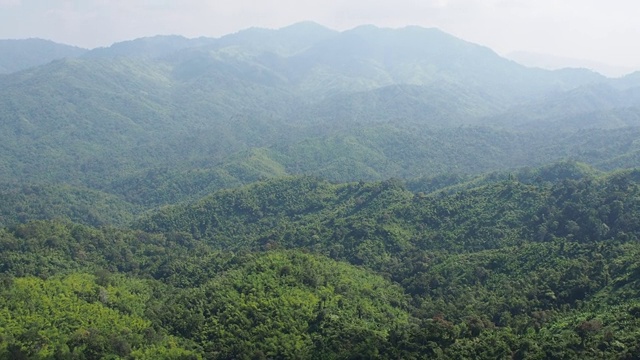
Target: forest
point(303, 268)
point(302, 194)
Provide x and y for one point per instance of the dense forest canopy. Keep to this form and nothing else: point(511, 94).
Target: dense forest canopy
point(309, 193)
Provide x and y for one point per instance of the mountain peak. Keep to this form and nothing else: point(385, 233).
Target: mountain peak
point(16, 55)
point(306, 26)
point(285, 41)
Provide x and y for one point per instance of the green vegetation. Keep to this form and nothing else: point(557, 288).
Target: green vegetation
point(307, 193)
point(167, 119)
point(300, 267)
point(86, 206)
point(80, 316)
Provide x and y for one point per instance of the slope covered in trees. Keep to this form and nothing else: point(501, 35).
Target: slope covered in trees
point(372, 103)
point(308, 193)
point(299, 267)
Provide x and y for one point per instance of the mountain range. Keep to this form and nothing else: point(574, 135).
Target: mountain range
point(306, 99)
point(309, 193)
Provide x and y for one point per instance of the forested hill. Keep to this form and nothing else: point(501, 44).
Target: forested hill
point(373, 102)
point(310, 193)
point(303, 268)
point(378, 219)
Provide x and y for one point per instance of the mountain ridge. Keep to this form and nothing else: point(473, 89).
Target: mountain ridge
point(17, 55)
point(198, 104)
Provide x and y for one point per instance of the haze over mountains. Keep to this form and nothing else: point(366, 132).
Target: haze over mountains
point(16, 55)
point(557, 62)
point(292, 97)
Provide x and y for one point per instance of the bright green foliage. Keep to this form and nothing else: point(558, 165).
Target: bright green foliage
point(160, 137)
point(540, 268)
point(288, 305)
point(74, 317)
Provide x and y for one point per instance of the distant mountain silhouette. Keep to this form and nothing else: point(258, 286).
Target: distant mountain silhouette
point(367, 103)
point(16, 55)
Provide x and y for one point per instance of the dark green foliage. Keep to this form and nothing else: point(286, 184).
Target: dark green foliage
point(85, 206)
point(545, 269)
point(552, 173)
point(504, 265)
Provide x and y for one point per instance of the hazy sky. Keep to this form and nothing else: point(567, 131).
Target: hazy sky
point(597, 30)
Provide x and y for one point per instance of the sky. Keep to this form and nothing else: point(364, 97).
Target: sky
point(595, 31)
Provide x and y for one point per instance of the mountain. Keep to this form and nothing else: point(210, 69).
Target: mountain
point(16, 55)
point(599, 105)
point(284, 42)
point(148, 187)
point(72, 114)
point(355, 215)
point(149, 47)
point(627, 82)
point(308, 193)
point(368, 57)
point(167, 119)
point(551, 62)
point(195, 104)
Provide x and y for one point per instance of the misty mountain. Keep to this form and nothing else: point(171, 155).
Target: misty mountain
point(308, 193)
point(286, 41)
point(148, 47)
point(627, 82)
point(551, 62)
point(368, 57)
point(608, 104)
point(304, 96)
point(16, 55)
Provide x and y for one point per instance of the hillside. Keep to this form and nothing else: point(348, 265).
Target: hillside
point(299, 267)
point(63, 202)
point(315, 194)
point(195, 105)
point(386, 215)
